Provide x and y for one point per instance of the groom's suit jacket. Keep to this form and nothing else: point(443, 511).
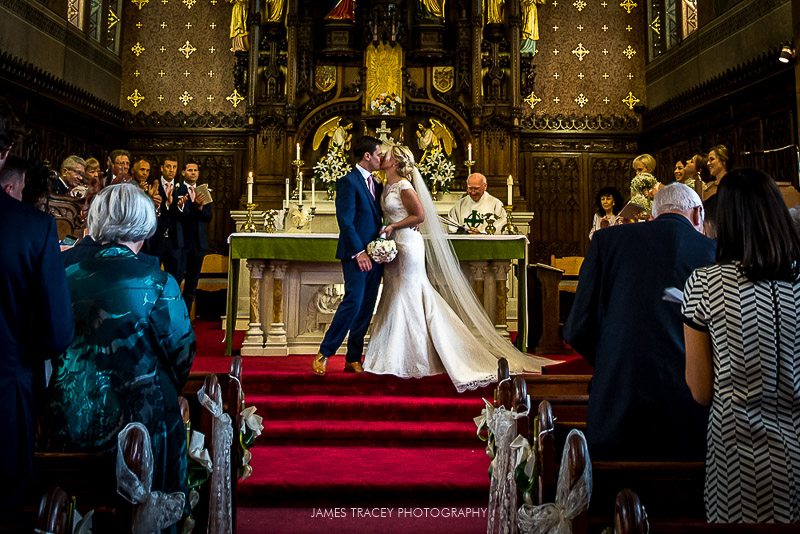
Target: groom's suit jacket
point(358, 214)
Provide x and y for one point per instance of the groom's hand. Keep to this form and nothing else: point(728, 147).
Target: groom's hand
point(364, 263)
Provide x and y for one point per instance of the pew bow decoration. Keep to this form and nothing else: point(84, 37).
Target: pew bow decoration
point(198, 451)
point(571, 500)
point(219, 508)
point(251, 428)
point(157, 510)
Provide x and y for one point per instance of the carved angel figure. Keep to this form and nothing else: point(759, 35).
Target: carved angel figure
point(434, 139)
point(339, 134)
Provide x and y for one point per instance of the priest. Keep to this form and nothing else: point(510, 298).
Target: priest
point(482, 203)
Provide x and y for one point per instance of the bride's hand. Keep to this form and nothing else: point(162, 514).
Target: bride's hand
point(388, 229)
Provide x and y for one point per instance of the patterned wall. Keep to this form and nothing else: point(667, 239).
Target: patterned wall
point(590, 58)
point(176, 57)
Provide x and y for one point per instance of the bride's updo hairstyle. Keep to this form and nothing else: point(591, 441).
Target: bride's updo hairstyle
point(404, 158)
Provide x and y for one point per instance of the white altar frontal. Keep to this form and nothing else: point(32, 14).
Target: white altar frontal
point(289, 285)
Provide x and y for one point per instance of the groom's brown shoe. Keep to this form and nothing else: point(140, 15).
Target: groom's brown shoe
point(353, 367)
point(319, 364)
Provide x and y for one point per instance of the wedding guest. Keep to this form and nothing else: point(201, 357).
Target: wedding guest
point(695, 173)
point(677, 172)
point(479, 201)
point(719, 161)
point(133, 344)
point(743, 357)
point(608, 201)
point(71, 179)
point(644, 163)
point(639, 405)
point(35, 324)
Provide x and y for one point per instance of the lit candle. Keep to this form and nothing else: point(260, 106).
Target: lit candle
point(300, 189)
point(313, 193)
point(286, 200)
point(297, 152)
point(510, 184)
point(469, 152)
point(250, 187)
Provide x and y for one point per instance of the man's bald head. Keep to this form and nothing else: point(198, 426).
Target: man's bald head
point(476, 186)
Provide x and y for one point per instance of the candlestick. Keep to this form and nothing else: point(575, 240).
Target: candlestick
point(250, 187)
point(509, 228)
point(510, 184)
point(287, 193)
point(297, 151)
point(249, 224)
point(469, 152)
point(300, 188)
point(313, 193)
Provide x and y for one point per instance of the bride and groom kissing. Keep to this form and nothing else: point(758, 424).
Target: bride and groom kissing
point(419, 330)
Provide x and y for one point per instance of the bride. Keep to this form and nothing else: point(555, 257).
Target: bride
point(418, 330)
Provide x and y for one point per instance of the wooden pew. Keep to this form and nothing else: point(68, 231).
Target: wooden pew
point(54, 513)
point(630, 517)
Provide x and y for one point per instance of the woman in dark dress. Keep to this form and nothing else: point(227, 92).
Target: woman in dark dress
point(133, 344)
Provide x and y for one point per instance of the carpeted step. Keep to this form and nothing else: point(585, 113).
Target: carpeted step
point(338, 476)
point(367, 407)
point(377, 433)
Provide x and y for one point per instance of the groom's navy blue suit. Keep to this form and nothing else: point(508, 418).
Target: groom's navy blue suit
point(359, 217)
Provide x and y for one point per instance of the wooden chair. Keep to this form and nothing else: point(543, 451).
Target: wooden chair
point(66, 211)
point(213, 278)
point(571, 265)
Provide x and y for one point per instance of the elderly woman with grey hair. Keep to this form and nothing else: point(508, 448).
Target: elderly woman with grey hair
point(133, 344)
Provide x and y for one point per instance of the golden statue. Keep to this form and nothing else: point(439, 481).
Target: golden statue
point(274, 10)
point(494, 11)
point(434, 139)
point(343, 10)
point(239, 41)
point(530, 26)
point(340, 136)
point(384, 72)
point(432, 9)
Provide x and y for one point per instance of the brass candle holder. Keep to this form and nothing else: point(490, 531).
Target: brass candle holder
point(249, 224)
point(271, 227)
point(509, 228)
point(469, 163)
point(296, 192)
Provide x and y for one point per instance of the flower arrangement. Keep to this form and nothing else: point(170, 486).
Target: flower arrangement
point(385, 103)
point(642, 190)
point(331, 167)
point(438, 171)
point(382, 250)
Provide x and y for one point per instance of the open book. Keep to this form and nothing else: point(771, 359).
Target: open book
point(203, 189)
point(631, 211)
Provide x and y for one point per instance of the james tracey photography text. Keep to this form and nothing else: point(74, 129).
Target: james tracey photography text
point(399, 513)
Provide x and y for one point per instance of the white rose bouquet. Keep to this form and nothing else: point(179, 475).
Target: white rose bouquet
point(382, 250)
point(385, 103)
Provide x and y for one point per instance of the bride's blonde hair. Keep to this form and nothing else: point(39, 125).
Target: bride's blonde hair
point(404, 158)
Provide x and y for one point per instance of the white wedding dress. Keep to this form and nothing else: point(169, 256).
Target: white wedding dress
point(416, 333)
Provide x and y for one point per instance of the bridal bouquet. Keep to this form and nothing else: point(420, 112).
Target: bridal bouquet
point(385, 103)
point(382, 250)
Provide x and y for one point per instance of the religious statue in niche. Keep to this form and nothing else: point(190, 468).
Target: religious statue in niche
point(340, 136)
point(431, 9)
point(239, 41)
point(494, 11)
point(274, 10)
point(384, 72)
point(530, 26)
point(342, 10)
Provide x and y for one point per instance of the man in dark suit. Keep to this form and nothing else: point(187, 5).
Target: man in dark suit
point(35, 324)
point(196, 216)
point(167, 242)
point(639, 403)
point(358, 212)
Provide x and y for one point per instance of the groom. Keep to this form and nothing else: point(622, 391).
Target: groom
point(358, 212)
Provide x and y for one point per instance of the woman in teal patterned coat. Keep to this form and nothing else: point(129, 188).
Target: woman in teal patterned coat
point(133, 344)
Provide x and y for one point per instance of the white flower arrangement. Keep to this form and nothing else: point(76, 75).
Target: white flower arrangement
point(385, 103)
point(438, 171)
point(331, 167)
point(382, 250)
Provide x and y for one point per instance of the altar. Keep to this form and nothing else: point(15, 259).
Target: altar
point(295, 284)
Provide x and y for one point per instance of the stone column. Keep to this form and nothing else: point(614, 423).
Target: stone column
point(501, 294)
point(477, 270)
point(254, 339)
point(277, 326)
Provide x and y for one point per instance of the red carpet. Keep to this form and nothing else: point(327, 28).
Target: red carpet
point(356, 452)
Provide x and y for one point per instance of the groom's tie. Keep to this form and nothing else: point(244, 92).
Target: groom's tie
point(371, 186)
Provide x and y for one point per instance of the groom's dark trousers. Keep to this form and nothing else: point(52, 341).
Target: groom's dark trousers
point(359, 217)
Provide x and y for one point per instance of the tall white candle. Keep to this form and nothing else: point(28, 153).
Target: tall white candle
point(297, 152)
point(287, 193)
point(469, 152)
point(313, 192)
point(510, 184)
point(300, 189)
point(250, 187)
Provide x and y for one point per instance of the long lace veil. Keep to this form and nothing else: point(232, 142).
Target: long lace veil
point(445, 274)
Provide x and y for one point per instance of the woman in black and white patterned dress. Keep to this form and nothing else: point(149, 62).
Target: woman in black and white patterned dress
point(743, 355)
